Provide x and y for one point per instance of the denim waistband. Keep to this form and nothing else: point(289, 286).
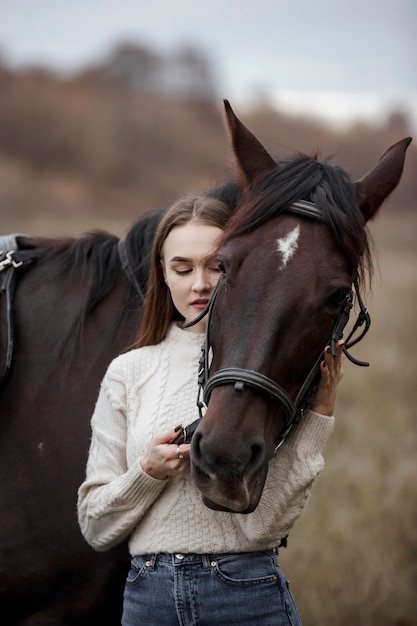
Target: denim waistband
point(206, 560)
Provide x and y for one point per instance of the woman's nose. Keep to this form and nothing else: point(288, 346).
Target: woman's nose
point(201, 281)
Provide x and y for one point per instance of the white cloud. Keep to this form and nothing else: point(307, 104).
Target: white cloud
point(340, 109)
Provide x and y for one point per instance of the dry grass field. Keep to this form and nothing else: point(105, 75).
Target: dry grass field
point(352, 558)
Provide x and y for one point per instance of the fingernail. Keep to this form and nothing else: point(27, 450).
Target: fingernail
point(177, 428)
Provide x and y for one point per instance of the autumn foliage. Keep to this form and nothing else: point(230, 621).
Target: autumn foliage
point(136, 130)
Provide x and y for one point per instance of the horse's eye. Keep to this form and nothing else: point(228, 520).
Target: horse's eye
point(336, 298)
point(221, 267)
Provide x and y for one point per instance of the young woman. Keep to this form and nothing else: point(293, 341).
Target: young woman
point(190, 565)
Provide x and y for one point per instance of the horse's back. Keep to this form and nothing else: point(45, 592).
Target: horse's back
point(48, 573)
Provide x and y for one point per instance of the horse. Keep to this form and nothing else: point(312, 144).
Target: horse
point(291, 257)
point(73, 309)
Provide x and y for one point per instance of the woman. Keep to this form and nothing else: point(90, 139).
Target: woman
point(190, 565)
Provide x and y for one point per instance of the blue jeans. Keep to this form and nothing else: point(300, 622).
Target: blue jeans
point(208, 590)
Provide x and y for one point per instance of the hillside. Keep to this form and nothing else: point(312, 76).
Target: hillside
point(86, 152)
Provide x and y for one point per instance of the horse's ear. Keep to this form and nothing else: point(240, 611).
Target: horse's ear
point(373, 188)
point(252, 158)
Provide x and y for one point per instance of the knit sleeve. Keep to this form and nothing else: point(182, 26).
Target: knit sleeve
point(113, 497)
point(291, 474)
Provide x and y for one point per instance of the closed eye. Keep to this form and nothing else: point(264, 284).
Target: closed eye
point(221, 267)
point(182, 272)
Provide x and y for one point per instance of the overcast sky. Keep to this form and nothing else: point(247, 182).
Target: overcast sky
point(340, 57)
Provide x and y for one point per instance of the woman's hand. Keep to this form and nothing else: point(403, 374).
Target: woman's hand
point(163, 458)
point(331, 373)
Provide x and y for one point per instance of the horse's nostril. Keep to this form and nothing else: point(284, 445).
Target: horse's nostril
point(195, 445)
point(257, 454)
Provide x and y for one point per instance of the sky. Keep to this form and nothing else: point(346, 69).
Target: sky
point(336, 59)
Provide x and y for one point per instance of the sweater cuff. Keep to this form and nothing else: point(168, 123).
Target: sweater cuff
point(138, 486)
point(311, 434)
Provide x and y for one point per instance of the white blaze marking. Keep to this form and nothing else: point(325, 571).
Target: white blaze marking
point(288, 245)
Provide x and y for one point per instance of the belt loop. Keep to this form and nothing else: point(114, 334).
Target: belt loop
point(206, 559)
point(150, 561)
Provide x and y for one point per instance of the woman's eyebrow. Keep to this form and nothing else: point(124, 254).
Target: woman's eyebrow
point(184, 259)
point(179, 258)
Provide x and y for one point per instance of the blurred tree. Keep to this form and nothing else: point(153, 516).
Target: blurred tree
point(132, 64)
point(188, 73)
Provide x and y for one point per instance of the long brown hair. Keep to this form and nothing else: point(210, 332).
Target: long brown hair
point(159, 309)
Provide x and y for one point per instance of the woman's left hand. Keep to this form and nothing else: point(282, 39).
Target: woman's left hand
point(162, 458)
point(331, 369)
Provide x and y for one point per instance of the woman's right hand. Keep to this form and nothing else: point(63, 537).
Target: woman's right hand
point(331, 369)
point(163, 458)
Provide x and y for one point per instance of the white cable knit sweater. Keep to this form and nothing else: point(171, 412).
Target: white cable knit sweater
point(143, 393)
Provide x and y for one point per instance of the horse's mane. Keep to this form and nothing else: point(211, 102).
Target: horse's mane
point(303, 177)
point(94, 257)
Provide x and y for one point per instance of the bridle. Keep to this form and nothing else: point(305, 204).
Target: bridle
point(241, 378)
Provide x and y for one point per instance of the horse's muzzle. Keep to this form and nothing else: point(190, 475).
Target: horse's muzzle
point(228, 481)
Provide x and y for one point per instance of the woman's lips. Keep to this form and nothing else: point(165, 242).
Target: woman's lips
point(199, 304)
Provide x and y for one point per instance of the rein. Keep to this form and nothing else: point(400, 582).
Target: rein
point(239, 378)
point(10, 261)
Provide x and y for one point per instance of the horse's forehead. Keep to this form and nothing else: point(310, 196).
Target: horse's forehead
point(287, 245)
point(283, 242)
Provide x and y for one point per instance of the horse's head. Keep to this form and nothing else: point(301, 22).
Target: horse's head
point(288, 268)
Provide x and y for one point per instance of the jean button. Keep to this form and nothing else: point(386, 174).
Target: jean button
point(179, 556)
